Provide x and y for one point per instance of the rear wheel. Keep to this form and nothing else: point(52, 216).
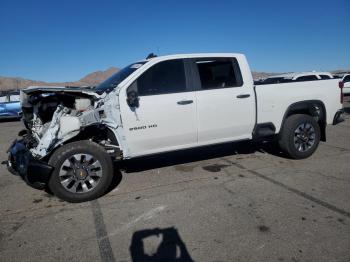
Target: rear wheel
point(83, 171)
point(300, 136)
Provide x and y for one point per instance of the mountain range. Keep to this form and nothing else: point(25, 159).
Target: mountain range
point(11, 83)
point(92, 79)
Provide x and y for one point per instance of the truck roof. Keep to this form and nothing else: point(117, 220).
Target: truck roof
point(194, 55)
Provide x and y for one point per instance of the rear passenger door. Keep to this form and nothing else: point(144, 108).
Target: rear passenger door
point(166, 116)
point(225, 104)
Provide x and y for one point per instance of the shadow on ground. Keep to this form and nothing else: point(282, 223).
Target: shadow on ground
point(171, 247)
point(117, 178)
point(202, 153)
point(198, 154)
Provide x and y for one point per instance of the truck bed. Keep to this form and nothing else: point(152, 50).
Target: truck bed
point(273, 100)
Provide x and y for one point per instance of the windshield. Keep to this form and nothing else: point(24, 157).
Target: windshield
point(113, 81)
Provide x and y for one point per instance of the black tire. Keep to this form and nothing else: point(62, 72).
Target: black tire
point(288, 133)
point(67, 152)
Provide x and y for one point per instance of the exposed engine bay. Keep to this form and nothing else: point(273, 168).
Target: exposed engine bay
point(54, 116)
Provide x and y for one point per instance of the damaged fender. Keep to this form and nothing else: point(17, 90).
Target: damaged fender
point(72, 111)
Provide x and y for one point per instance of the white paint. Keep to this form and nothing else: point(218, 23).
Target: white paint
point(68, 124)
point(218, 114)
point(274, 100)
point(175, 124)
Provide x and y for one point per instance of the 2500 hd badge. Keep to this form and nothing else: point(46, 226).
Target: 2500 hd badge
point(142, 127)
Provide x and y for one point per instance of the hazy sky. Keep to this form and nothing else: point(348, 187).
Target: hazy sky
point(64, 40)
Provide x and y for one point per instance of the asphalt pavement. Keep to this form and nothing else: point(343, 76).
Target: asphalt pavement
point(233, 202)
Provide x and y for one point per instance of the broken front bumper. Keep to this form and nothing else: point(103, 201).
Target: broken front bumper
point(20, 162)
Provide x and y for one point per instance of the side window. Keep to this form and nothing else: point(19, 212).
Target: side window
point(325, 77)
point(3, 99)
point(219, 73)
point(163, 78)
point(14, 98)
point(307, 78)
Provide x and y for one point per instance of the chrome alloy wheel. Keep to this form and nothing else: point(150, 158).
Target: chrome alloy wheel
point(80, 173)
point(304, 137)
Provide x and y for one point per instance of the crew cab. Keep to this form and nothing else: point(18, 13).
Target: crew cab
point(157, 105)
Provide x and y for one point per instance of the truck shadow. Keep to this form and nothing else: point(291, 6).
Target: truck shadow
point(171, 247)
point(198, 154)
point(117, 178)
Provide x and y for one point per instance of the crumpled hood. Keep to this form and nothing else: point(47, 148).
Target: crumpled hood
point(54, 89)
point(54, 115)
point(37, 90)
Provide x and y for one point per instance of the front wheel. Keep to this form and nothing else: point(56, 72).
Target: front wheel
point(83, 171)
point(300, 136)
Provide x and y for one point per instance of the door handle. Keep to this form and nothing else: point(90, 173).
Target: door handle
point(185, 102)
point(243, 96)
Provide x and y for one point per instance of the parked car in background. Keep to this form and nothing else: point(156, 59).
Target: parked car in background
point(10, 106)
point(295, 77)
point(346, 81)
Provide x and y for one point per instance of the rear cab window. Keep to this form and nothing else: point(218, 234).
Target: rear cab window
point(216, 73)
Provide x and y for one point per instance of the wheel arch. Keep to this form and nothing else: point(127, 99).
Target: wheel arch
point(96, 133)
point(314, 108)
point(96, 189)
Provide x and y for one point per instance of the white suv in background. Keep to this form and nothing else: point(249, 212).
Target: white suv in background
point(295, 77)
point(346, 81)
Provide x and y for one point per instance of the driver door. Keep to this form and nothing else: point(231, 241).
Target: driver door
point(165, 118)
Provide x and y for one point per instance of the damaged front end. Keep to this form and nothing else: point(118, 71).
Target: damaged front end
point(21, 162)
point(55, 116)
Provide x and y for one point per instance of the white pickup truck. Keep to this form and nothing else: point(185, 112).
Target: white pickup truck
point(157, 105)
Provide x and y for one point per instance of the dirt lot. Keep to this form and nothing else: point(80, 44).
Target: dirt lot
point(237, 202)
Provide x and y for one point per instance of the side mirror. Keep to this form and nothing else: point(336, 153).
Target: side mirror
point(132, 99)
